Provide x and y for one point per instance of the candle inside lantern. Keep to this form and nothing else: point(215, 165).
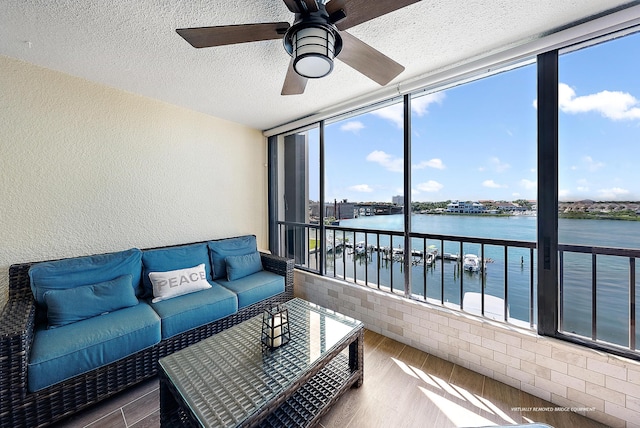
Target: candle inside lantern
point(276, 331)
point(275, 327)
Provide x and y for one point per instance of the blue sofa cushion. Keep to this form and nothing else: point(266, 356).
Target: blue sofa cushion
point(173, 258)
point(223, 248)
point(241, 266)
point(256, 287)
point(76, 304)
point(192, 310)
point(62, 353)
point(79, 271)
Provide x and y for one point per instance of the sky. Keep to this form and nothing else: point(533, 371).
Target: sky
point(477, 141)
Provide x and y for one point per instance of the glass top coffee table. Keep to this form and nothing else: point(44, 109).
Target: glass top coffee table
point(228, 380)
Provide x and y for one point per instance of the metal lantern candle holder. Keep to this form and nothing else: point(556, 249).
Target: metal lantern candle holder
point(275, 327)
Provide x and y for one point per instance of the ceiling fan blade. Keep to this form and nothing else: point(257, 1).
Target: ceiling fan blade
point(312, 6)
point(294, 84)
point(359, 11)
point(367, 60)
point(205, 37)
point(294, 6)
point(334, 6)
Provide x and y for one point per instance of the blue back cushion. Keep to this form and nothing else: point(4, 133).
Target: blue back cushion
point(76, 304)
point(173, 258)
point(223, 248)
point(241, 266)
point(79, 271)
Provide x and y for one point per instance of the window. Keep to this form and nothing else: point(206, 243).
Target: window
point(474, 175)
point(599, 132)
point(473, 151)
point(364, 190)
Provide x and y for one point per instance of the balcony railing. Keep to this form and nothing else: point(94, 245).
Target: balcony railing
point(597, 286)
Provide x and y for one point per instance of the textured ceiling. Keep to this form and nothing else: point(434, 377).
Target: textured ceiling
point(132, 45)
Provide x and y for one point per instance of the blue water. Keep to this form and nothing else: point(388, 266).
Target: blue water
point(612, 314)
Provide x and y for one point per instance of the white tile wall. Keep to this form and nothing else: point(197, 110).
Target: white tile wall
point(566, 374)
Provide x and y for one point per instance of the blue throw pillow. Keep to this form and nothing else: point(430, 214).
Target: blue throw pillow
point(241, 266)
point(79, 271)
point(173, 258)
point(223, 248)
point(80, 303)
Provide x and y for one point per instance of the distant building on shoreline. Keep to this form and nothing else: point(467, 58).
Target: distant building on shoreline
point(398, 200)
point(510, 207)
point(466, 207)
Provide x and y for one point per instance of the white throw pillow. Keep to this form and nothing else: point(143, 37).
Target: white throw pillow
point(175, 283)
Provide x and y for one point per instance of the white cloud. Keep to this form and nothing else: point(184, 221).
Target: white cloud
point(386, 160)
point(353, 126)
point(362, 188)
point(528, 184)
point(563, 193)
point(492, 184)
point(591, 165)
point(516, 194)
point(419, 107)
point(614, 105)
point(433, 163)
point(430, 186)
point(583, 185)
point(498, 165)
point(613, 193)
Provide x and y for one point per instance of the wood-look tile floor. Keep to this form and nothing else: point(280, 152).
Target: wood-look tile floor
point(403, 387)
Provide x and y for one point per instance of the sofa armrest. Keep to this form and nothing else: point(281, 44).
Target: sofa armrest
point(17, 323)
point(281, 266)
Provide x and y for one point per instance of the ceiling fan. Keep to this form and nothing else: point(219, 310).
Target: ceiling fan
point(315, 38)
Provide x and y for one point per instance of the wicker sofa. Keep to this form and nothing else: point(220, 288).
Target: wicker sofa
point(20, 321)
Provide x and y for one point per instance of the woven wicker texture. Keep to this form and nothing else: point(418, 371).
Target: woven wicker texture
point(228, 380)
point(19, 408)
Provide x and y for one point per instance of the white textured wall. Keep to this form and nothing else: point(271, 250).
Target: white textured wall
point(85, 168)
point(568, 375)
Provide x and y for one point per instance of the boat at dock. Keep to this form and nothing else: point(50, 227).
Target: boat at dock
point(472, 263)
point(449, 256)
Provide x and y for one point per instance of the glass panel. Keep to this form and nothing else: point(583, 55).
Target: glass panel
point(473, 174)
point(576, 291)
point(599, 130)
point(363, 190)
point(612, 287)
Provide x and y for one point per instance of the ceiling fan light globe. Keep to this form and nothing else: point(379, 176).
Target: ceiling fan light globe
point(313, 65)
point(313, 50)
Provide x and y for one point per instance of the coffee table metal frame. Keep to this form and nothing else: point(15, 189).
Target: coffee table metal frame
point(227, 379)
